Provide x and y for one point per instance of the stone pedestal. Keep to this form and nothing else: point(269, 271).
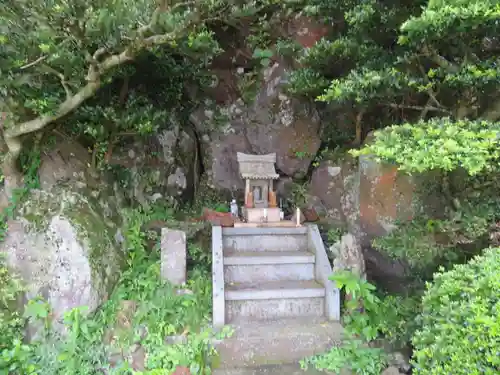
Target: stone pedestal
point(173, 256)
point(256, 215)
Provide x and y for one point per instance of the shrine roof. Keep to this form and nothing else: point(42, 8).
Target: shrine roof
point(257, 167)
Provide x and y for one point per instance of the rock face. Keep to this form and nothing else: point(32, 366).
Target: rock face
point(273, 122)
point(66, 246)
point(67, 161)
point(278, 123)
point(164, 165)
point(348, 255)
point(366, 197)
point(386, 195)
point(334, 190)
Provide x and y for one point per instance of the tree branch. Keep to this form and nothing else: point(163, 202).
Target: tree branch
point(62, 78)
point(359, 127)
point(424, 112)
point(417, 107)
point(95, 71)
point(71, 103)
point(430, 91)
point(440, 60)
point(33, 63)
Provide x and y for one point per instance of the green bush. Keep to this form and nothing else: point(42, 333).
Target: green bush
point(460, 320)
point(13, 353)
point(10, 322)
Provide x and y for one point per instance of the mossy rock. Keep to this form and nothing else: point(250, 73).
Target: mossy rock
point(66, 245)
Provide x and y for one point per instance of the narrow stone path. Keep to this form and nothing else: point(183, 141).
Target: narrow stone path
point(268, 370)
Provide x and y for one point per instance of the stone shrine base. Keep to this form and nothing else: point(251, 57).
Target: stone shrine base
point(255, 215)
point(276, 224)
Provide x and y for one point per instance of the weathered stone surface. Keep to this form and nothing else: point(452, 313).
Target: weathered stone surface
point(306, 31)
point(279, 123)
point(334, 190)
point(271, 370)
point(399, 361)
point(66, 161)
point(386, 195)
point(392, 274)
point(348, 255)
point(277, 342)
point(366, 196)
point(220, 142)
point(162, 166)
point(284, 187)
point(181, 371)
point(65, 246)
point(274, 122)
point(173, 256)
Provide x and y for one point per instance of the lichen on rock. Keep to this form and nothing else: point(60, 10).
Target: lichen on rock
point(65, 246)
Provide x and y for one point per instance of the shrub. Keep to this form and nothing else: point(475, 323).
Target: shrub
point(460, 320)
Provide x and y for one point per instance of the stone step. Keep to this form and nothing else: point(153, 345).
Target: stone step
point(267, 257)
point(246, 267)
point(274, 300)
point(274, 290)
point(274, 342)
point(264, 239)
point(257, 310)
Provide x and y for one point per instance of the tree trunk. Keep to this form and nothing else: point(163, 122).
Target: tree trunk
point(359, 127)
point(12, 135)
point(13, 178)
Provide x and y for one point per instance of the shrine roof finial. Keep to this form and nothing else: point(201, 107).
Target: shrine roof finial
point(257, 167)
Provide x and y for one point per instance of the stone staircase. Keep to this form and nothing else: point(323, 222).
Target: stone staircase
point(271, 285)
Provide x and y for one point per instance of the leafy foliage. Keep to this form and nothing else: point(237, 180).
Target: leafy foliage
point(438, 144)
point(161, 313)
point(392, 62)
point(12, 350)
point(354, 355)
point(460, 321)
point(56, 55)
point(367, 318)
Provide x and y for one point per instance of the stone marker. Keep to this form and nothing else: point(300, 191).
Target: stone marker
point(173, 256)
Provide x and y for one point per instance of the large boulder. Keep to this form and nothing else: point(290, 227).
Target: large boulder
point(348, 255)
point(385, 196)
point(272, 123)
point(334, 190)
point(363, 195)
point(279, 123)
point(66, 245)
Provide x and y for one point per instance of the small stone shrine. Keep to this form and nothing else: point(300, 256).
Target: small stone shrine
point(260, 199)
